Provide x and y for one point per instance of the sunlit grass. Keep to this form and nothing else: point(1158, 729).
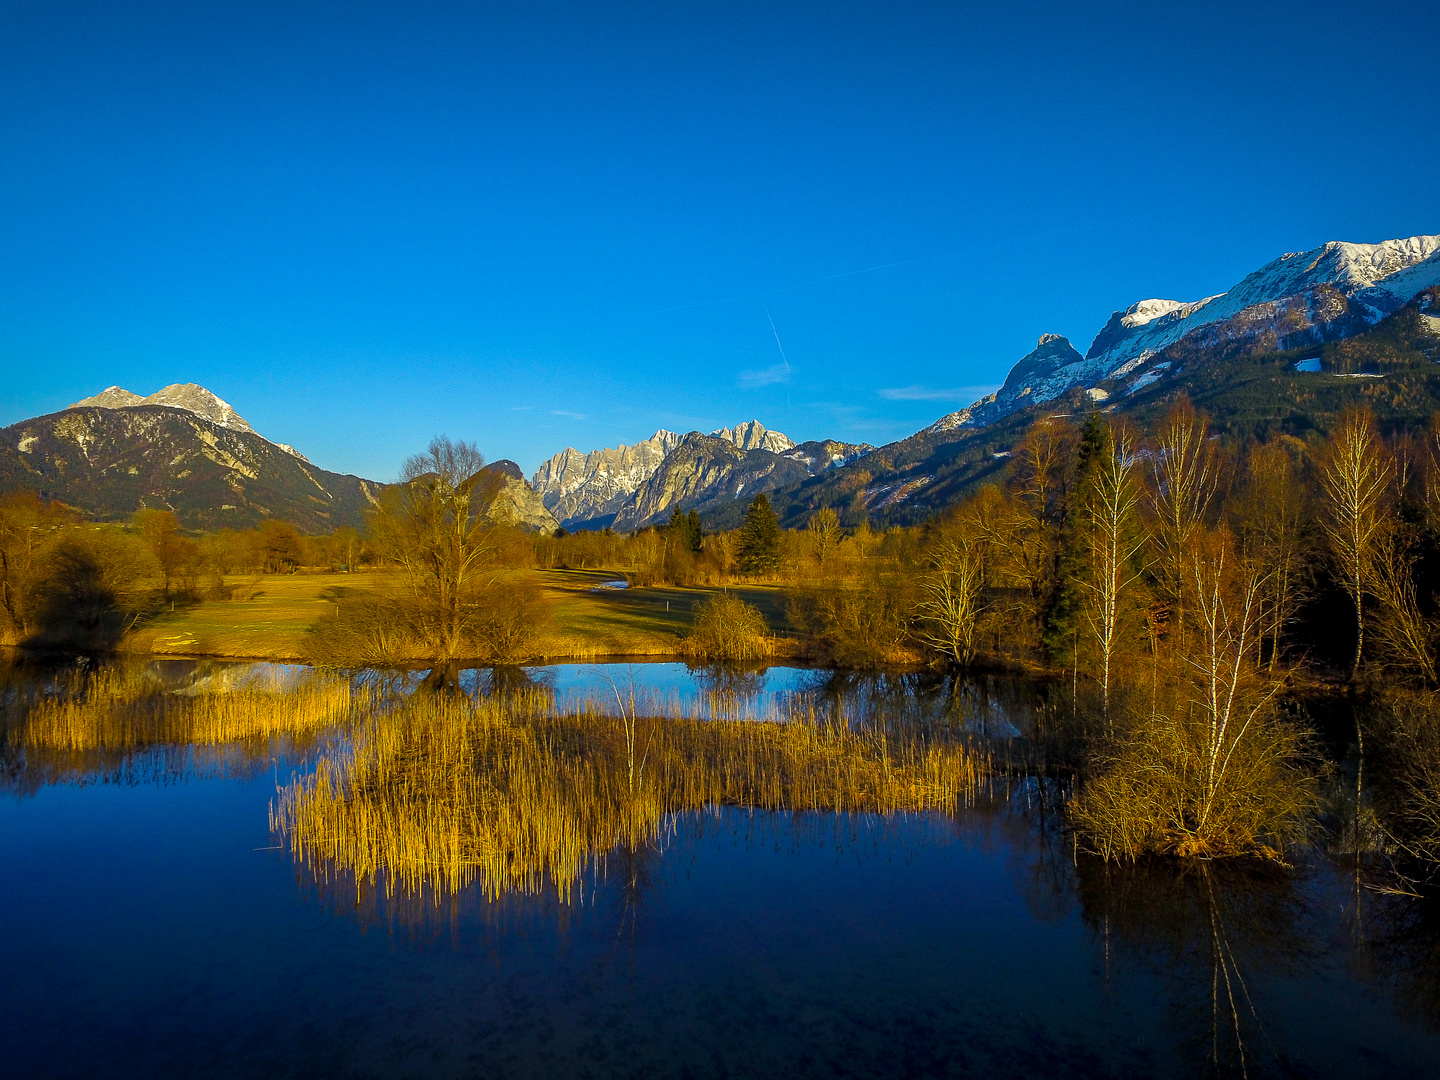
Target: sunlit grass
point(445, 791)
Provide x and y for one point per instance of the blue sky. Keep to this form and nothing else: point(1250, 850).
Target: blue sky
point(539, 225)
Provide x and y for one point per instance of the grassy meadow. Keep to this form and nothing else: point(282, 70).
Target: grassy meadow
point(268, 616)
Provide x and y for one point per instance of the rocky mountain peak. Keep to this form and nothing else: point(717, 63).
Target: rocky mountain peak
point(196, 399)
point(188, 396)
point(753, 435)
point(112, 397)
point(191, 397)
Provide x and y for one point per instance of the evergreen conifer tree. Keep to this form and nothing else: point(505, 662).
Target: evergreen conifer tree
point(1061, 626)
point(759, 550)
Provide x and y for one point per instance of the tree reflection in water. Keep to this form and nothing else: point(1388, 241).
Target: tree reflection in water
point(991, 707)
point(1214, 933)
point(1401, 950)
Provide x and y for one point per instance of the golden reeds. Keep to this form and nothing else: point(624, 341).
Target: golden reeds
point(513, 795)
point(117, 709)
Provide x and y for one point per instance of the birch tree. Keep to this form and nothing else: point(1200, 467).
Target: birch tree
point(1115, 541)
point(1357, 480)
point(1185, 474)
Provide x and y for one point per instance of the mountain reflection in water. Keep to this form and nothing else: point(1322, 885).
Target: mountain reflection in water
point(156, 927)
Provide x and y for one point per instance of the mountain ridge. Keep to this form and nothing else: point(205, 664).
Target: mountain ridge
point(1299, 298)
point(109, 462)
point(192, 397)
point(578, 487)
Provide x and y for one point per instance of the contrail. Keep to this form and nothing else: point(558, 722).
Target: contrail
point(783, 358)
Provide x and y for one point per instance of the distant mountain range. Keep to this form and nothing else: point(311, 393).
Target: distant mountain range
point(631, 486)
point(1278, 350)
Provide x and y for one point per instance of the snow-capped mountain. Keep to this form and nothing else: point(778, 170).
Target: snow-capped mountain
point(1301, 298)
point(188, 396)
point(579, 487)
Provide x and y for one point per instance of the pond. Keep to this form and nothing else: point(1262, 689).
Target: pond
point(155, 925)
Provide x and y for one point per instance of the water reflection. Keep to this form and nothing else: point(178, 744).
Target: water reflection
point(1400, 949)
point(1234, 957)
point(439, 791)
point(1216, 934)
point(138, 723)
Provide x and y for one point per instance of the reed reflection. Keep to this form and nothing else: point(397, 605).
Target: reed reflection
point(442, 790)
point(136, 723)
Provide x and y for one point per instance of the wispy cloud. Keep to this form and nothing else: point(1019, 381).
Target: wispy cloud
point(780, 373)
point(567, 412)
point(931, 393)
point(521, 408)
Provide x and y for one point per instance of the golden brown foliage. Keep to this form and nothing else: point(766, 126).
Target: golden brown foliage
point(446, 791)
point(727, 628)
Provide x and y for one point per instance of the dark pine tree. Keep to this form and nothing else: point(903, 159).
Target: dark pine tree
point(759, 550)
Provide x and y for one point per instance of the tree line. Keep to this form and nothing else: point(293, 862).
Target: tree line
point(1183, 592)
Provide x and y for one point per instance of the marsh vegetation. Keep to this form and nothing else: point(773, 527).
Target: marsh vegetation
point(1192, 595)
point(509, 792)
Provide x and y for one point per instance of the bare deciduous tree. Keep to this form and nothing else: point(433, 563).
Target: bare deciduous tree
point(952, 591)
point(1185, 474)
point(825, 536)
point(434, 523)
point(1403, 630)
point(1357, 478)
point(1273, 517)
point(1115, 542)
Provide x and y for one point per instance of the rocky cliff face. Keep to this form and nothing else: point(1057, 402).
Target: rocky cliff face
point(702, 471)
point(109, 462)
point(575, 486)
point(578, 487)
point(517, 502)
point(753, 435)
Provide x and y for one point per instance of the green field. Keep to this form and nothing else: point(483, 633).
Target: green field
point(268, 616)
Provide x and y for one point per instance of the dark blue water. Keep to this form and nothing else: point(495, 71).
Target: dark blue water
point(153, 929)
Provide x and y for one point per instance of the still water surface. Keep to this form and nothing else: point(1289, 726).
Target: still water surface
point(153, 926)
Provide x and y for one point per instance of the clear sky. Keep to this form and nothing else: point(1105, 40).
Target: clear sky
point(536, 225)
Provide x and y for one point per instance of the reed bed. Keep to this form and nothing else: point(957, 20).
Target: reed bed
point(122, 710)
point(444, 792)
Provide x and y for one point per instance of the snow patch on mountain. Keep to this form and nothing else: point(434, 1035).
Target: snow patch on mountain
point(1293, 298)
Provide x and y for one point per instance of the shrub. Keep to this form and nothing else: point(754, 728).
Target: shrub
point(862, 624)
point(1170, 785)
point(497, 626)
point(727, 628)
